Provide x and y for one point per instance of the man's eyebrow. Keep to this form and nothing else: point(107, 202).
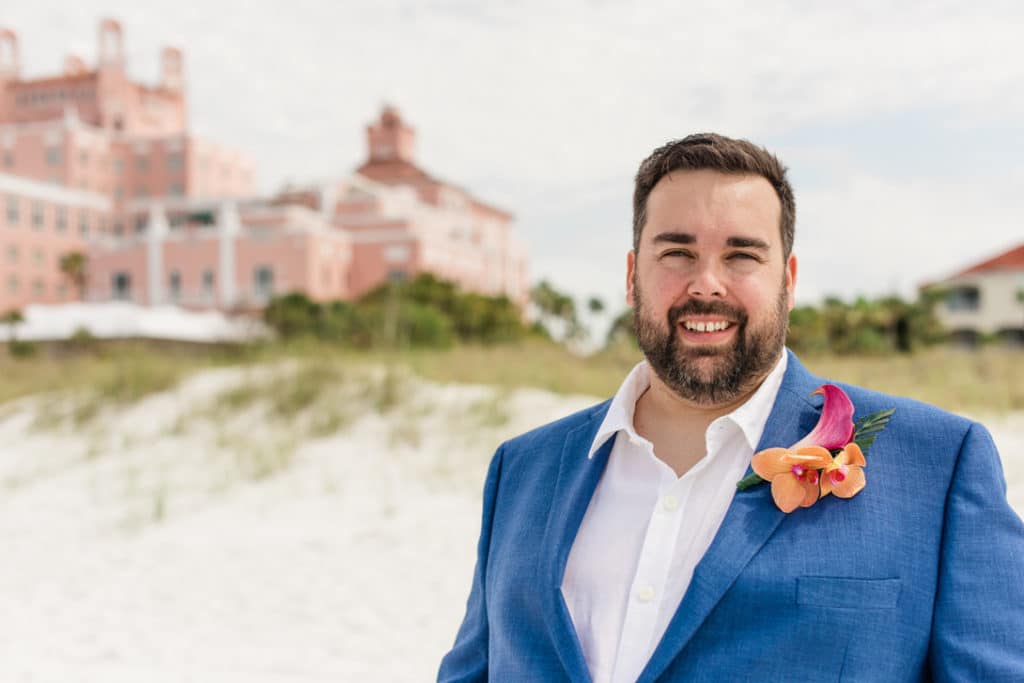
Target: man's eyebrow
point(689, 238)
point(748, 243)
point(675, 237)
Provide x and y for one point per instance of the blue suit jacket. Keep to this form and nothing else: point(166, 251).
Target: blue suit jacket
point(918, 577)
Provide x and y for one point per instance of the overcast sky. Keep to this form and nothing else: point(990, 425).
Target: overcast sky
point(902, 123)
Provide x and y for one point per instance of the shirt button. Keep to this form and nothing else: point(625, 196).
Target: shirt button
point(670, 503)
point(645, 594)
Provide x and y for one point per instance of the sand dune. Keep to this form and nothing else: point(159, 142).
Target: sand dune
point(164, 542)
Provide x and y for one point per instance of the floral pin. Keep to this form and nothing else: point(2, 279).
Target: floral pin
point(828, 460)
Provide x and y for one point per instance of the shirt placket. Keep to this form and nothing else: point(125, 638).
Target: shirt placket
point(649, 582)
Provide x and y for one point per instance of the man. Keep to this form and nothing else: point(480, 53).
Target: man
point(616, 547)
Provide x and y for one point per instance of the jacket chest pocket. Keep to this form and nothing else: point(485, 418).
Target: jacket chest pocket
point(849, 593)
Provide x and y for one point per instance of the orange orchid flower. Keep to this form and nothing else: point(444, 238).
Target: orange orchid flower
point(794, 474)
point(844, 476)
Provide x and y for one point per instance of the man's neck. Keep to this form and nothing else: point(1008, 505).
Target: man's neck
point(677, 426)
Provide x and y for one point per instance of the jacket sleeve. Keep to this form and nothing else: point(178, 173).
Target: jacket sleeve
point(978, 628)
point(467, 660)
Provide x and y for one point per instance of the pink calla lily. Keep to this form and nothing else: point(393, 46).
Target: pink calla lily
point(835, 425)
point(807, 471)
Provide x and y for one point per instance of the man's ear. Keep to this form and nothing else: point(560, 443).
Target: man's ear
point(630, 270)
point(791, 279)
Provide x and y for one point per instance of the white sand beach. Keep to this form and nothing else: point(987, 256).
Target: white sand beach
point(175, 541)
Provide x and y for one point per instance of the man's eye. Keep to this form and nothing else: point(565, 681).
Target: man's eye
point(744, 255)
point(676, 252)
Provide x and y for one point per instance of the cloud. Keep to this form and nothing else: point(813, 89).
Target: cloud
point(870, 236)
point(901, 121)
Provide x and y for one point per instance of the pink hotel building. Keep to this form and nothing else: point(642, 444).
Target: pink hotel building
point(91, 161)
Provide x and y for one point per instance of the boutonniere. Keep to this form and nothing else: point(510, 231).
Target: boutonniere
point(828, 460)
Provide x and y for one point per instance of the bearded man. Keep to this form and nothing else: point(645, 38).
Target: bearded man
point(617, 547)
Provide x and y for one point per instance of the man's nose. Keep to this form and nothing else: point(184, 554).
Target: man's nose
point(707, 283)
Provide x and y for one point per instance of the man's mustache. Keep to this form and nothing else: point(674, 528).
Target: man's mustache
point(699, 307)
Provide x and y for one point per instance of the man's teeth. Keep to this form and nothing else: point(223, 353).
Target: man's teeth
point(705, 327)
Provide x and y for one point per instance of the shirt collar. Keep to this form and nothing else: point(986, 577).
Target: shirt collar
point(753, 414)
point(620, 413)
point(751, 417)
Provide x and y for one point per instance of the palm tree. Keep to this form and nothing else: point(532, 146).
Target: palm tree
point(73, 267)
point(554, 306)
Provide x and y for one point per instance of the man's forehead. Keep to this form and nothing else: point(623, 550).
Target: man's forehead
point(725, 186)
point(713, 205)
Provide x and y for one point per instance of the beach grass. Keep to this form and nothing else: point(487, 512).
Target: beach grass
point(989, 380)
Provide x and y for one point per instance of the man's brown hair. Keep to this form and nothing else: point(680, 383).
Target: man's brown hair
point(710, 151)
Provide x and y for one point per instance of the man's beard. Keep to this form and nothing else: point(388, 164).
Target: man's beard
point(739, 366)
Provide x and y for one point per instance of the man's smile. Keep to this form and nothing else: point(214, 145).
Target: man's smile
point(705, 325)
point(705, 330)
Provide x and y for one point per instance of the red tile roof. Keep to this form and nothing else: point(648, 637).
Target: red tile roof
point(1008, 260)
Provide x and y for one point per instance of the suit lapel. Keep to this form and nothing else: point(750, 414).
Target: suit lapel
point(750, 521)
point(577, 478)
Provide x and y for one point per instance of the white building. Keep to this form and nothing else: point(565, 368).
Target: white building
point(986, 299)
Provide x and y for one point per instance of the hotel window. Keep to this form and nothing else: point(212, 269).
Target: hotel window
point(263, 282)
point(37, 215)
point(208, 283)
point(174, 162)
point(119, 166)
point(121, 286)
point(12, 253)
point(176, 190)
point(174, 285)
point(118, 193)
point(62, 219)
point(141, 222)
point(53, 156)
point(38, 288)
point(12, 284)
point(966, 298)
point(141, 164)
point(12, 210)
point(141, 191)
point(83, 158)
point(37, 256)
point(83, 223)
point(8, 158)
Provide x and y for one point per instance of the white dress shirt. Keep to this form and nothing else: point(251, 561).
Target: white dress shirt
point(646, 529)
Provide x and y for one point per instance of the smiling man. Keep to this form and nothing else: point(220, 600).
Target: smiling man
point(616, 547)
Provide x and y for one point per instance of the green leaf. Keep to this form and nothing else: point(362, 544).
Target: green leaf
point(749, 481)
point(866, 430)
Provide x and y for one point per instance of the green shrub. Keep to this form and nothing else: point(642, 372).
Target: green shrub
point(22, 349)
point(426, 312)
point(292, 315)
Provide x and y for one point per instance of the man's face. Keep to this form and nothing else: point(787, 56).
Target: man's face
point(708, 285)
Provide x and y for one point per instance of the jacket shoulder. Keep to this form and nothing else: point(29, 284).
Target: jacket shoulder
point(867, 401)
point(915, 426)
point(542, 437)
